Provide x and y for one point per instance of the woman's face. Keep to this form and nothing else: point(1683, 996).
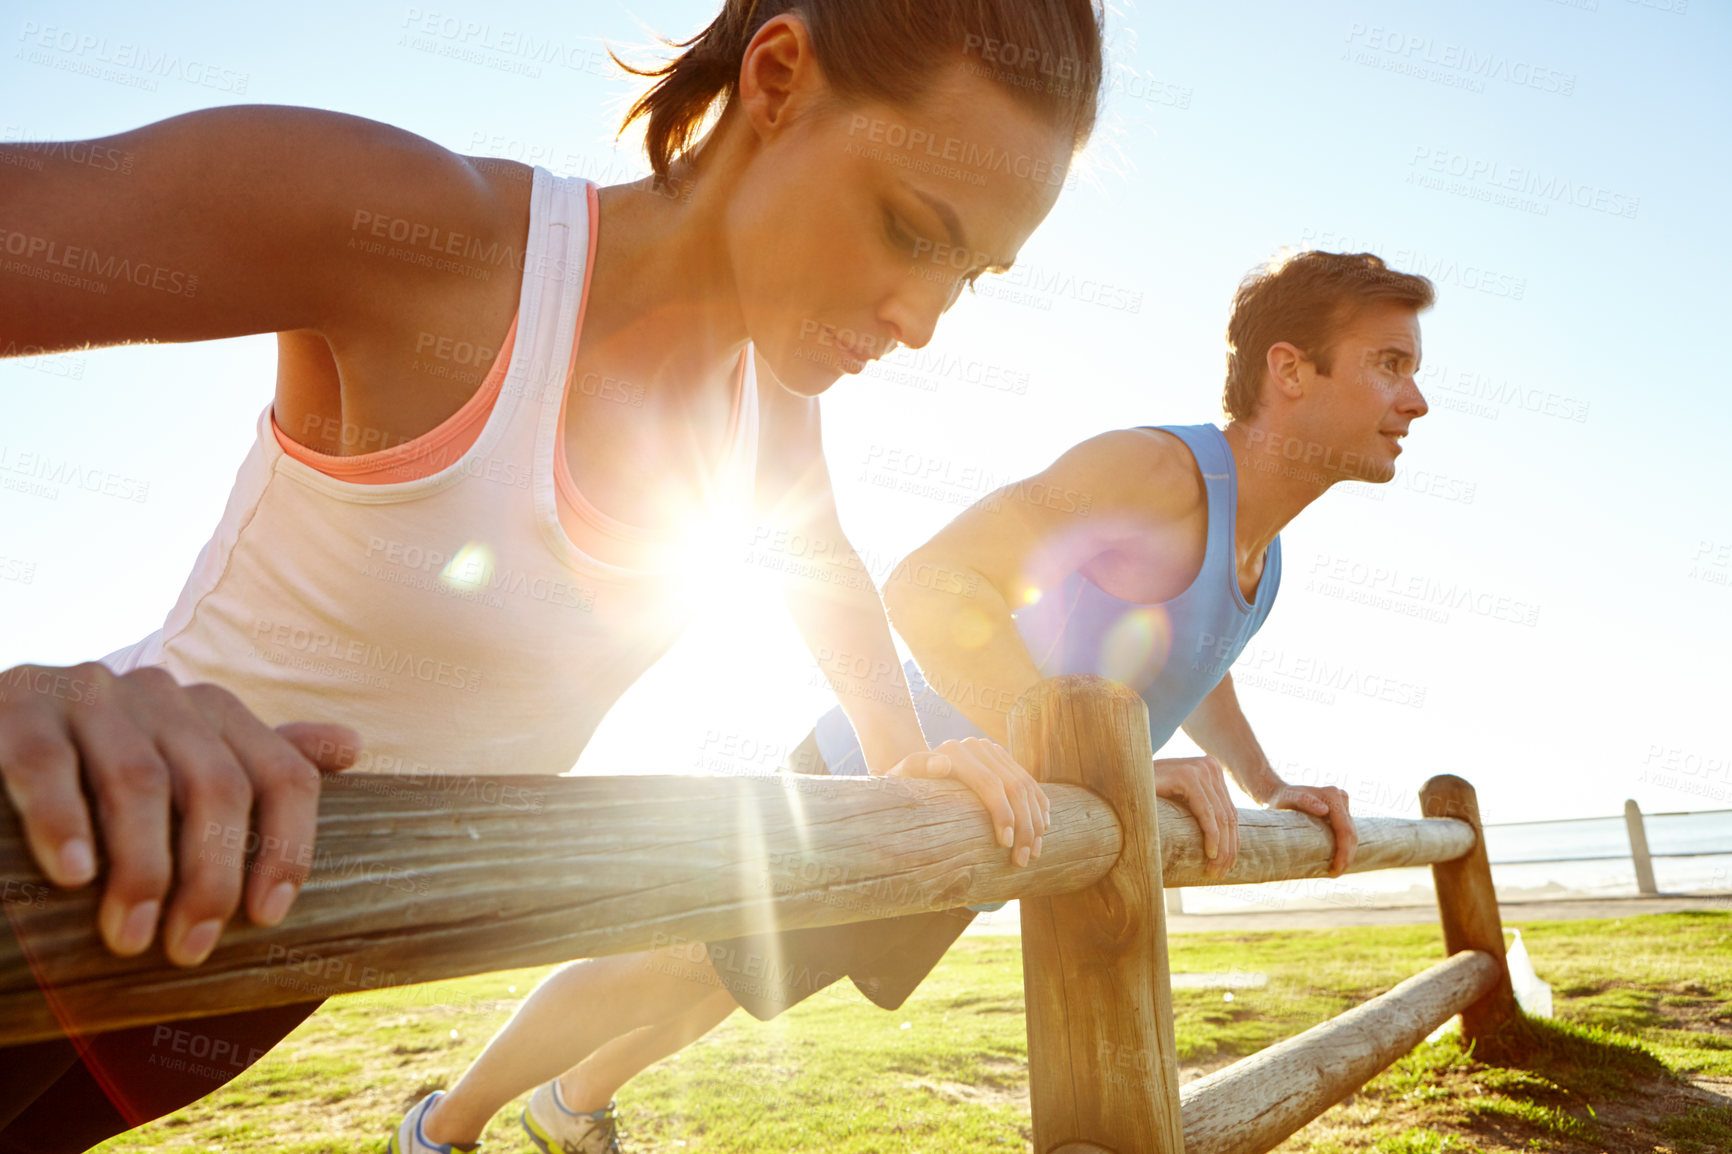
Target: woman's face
point(857, 226)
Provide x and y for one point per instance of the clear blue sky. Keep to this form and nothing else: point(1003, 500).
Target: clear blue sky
point(1558, 168)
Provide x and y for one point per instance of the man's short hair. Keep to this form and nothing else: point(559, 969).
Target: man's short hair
point(1305, 299)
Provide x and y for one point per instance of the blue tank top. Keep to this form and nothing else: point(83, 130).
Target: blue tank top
point(1171, 653)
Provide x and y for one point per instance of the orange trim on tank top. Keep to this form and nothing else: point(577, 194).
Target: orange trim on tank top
point(425, 455)
point(444, 445)
point(574, 502)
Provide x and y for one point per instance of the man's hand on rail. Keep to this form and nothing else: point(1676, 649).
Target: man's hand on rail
point(141, 745)
point(1015, 803)
point(1323, 801)
point(1201, 784)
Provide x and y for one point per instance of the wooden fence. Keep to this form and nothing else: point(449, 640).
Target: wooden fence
point(416, 880)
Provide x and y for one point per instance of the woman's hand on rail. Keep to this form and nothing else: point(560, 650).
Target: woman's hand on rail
point(1201, 784)
point(144, 748)
point(1327, 802)
point(1015, 802)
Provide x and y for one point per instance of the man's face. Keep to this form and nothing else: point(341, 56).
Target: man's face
point(1365, 405)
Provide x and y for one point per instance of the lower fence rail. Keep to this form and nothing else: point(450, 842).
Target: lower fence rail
point(1258, 1101)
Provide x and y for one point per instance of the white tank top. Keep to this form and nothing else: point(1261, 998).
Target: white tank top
point(450, 620)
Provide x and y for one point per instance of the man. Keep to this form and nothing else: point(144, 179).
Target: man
point(1159, 584)
point(1151, 556)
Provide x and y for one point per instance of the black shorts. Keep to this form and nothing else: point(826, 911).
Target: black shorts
point(885, 958)
point(59, 1097)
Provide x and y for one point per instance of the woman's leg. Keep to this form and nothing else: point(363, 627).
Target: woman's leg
point(594, 1082)
point(595, 1024)
point(575, 1011)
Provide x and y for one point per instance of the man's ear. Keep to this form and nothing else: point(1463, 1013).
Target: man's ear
point(779, 75)
point(1289, 369)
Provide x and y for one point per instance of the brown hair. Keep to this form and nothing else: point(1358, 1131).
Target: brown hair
point(1305, 299)
point(1046, 53)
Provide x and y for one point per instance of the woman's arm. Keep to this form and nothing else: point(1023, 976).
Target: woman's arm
point(828, 591)
point(214, 224)
point(834, 603)
point(226, 222)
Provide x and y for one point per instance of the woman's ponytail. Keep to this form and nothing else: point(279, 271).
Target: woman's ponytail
point(1045, 53)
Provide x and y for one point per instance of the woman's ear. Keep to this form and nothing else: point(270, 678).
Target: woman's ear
point(779, 75)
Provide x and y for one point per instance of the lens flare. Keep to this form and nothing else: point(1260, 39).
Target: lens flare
point(1135, 649)
point(471, 569)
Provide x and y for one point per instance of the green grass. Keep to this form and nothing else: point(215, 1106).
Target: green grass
point(1702, 1131)
point(948, 1072)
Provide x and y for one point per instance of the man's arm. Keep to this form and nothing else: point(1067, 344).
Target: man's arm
point(1007, 549)
point(1219, 726)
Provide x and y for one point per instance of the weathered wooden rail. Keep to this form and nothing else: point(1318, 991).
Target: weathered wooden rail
point(416, 880)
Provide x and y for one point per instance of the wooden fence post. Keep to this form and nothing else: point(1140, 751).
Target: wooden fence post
point(1639, 848)
point(1103, 1064)
point(1467, 907)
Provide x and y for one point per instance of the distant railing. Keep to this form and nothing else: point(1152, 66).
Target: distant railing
point(1635, 824)
point(1640, 856)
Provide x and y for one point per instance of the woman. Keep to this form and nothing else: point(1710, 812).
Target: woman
point(464, 579)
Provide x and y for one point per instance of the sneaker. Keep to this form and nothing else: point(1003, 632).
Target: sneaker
point(555, 1129)
point(408, 1139)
